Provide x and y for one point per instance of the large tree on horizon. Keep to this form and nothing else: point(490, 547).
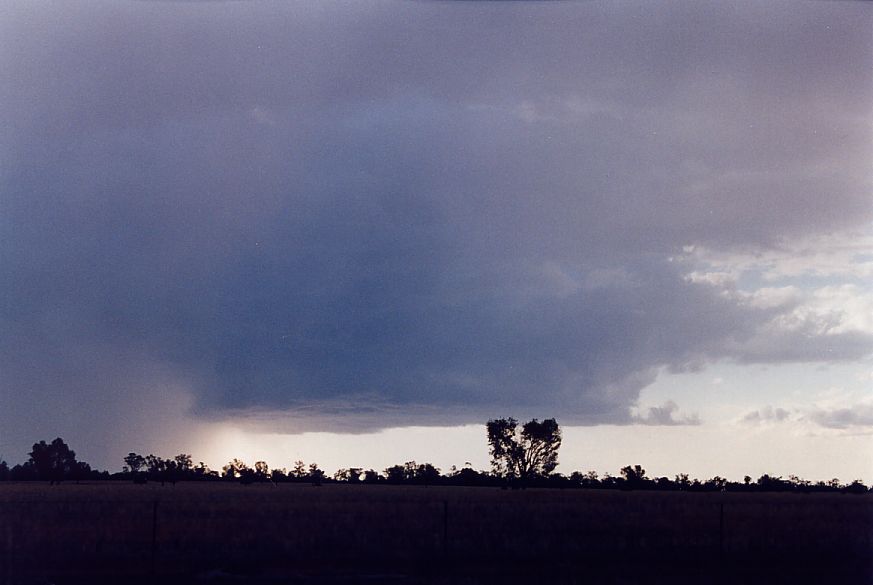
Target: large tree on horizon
point(525, 453)
point(55, 461)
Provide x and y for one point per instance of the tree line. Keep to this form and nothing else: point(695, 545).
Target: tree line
point(522, 456)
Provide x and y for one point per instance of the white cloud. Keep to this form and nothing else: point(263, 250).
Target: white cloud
point(835, 410)
point(856, 415)
point(774, 297)
point(765, 415)
point(663, 416)
point(813, 295)
point(846, 254)
point(849, 305)
point(721, 279)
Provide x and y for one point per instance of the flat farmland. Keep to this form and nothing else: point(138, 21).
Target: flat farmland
point(336, 533)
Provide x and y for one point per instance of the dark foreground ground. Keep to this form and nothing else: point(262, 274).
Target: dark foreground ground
point(333, 534)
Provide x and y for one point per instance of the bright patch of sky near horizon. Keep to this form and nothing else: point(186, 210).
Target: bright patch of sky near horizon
point(227, 225)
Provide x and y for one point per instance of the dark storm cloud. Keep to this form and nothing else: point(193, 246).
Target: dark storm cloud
point(448, 210)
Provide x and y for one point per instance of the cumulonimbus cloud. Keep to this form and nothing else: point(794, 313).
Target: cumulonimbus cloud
point(335, 210)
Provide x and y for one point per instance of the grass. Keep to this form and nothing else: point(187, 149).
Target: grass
point(121, 530)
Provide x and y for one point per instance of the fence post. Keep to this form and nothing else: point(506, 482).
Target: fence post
point(154, 538)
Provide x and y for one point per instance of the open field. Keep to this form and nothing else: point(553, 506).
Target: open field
point(204, 532)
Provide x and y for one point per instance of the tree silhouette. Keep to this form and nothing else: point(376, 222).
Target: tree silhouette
point(134, 463)
point(634, 476)
point(425, 473)
point(350, 475)
point(469, 476)
point(262, 471)
point(315, 475)
point(299, 471)
point(55, 461)
point(525, 453)
point(856, 487)
point(155, 465)
point(395, 474)
point(234, 469)
point(184, 463)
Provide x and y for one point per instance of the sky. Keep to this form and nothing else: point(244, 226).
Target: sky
point(353, 232)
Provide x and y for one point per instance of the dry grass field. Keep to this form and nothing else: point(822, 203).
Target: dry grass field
point(290, 533)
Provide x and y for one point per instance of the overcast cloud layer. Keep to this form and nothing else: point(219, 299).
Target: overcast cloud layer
point(376, 214)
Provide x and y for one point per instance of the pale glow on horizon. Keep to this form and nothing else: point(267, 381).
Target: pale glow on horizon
point(722, 444)
point(727, 449)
